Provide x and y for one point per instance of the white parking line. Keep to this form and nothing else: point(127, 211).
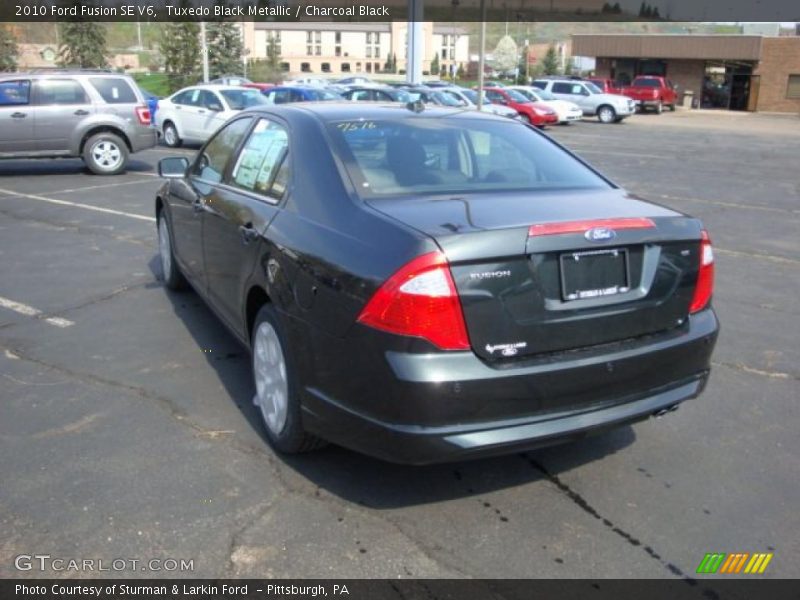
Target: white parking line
point(97, 187)
point(29, 311)
point(109, 211)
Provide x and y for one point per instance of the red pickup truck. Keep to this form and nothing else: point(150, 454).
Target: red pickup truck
point(649, 91)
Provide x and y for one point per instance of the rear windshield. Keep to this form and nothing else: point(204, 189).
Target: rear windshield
point(444, 155)
point(241, 99)
point(114, 90)
point(646, 83)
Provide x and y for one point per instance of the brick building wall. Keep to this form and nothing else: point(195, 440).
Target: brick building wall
point(780, 57)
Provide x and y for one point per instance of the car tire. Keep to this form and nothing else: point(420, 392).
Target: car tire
point(606, 114)
point(105, 154)
point(526, 119)
point(170, 271)
point(672, 107)
point(276, 386)
point(659, 108)
point(171, 137)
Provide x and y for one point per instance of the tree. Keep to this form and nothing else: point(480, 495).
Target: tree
point(435, 64)
point(273, 53)
point(643, 10)
point(394, 63)
point(224, 43)
point(180, 47)
point(387, 66)
point(8, 50)
point(655, 14)
point(83, 44)
point(506, 53)
point(522, 67)
point(606, 8)
point(616, 9)
point(550, 62)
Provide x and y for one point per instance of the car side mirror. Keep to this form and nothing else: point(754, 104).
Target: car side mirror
point(173, 167)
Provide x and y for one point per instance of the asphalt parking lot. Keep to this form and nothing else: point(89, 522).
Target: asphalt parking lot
point(127, 427)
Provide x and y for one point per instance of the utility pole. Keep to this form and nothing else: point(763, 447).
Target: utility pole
point(204, 50)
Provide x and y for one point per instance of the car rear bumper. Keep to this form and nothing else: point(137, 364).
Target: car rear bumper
point(448, 406)
point(143, 138)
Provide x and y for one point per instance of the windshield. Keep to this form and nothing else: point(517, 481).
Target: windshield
point(446, 99)
point(323, 95)
point(545, 95)
point(592, 88)
point(516, 96)
point(446, 156)
point(241, 99)
point(473, 97)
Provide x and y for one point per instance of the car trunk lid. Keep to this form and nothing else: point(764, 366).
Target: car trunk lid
point(527, 288)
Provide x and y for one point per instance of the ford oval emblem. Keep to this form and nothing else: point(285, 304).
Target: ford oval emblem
point(600, 234)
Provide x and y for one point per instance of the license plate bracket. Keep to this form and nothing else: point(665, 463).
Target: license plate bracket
point(594, 274)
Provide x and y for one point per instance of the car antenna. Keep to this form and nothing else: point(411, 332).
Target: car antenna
point(416, 106)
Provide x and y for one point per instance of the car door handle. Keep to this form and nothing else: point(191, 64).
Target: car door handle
point(19, 115)
point(248, 233)
point(81, 113)
point(178, 107)
point(201, 112)
point(198, 206)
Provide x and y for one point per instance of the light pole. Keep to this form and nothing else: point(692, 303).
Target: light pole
point(204, 50)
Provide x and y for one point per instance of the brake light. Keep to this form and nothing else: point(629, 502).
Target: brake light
point(705, 276)
point(420, 300)
point(143, 114)
point(582, 226)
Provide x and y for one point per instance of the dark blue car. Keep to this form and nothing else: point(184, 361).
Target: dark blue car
point(285, 94)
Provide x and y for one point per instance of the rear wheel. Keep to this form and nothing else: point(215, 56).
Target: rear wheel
point(606, 114)
point(276, 387)
point(672, 107)
point(171, 137)
point(105, 154)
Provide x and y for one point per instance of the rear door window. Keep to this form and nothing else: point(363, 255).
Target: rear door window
point(259, 166)
point(59, 91)
point(214, 157)
point(15, 93)
point(114, 90)
point(564, 88)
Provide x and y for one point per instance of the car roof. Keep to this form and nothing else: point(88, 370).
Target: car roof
point(327, 112)
point(218, 87)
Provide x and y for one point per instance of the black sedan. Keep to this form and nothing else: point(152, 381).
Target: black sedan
point(430, 284)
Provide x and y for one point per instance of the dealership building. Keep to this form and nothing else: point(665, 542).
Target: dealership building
point(729, 72)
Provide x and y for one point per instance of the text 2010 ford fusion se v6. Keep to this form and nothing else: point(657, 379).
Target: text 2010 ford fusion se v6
point(427, 286)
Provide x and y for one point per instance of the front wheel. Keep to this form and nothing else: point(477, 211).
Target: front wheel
point(105, 154)
point(276, 387)
point(659, 107)
point(606, 114)
point(173, 278)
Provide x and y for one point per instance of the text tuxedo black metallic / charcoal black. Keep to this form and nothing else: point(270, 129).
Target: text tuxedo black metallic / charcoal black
point(435, 285)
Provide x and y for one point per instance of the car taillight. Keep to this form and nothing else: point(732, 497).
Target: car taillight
point(420, 300)
point(143, 114)
point(705, 276)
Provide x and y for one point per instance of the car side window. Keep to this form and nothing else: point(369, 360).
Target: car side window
point(15, 93)
point(114, 90)
point(210, 101)
point(263, 156)
point(214, 157)
point(59, 91)
point(280, 97)
point(563, 88)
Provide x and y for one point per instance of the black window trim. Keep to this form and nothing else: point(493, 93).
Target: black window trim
point(236, 151)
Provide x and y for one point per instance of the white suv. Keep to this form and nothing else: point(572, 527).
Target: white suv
point(609, 108)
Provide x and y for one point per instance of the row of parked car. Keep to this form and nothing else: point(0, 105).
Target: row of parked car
point(194, 113)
